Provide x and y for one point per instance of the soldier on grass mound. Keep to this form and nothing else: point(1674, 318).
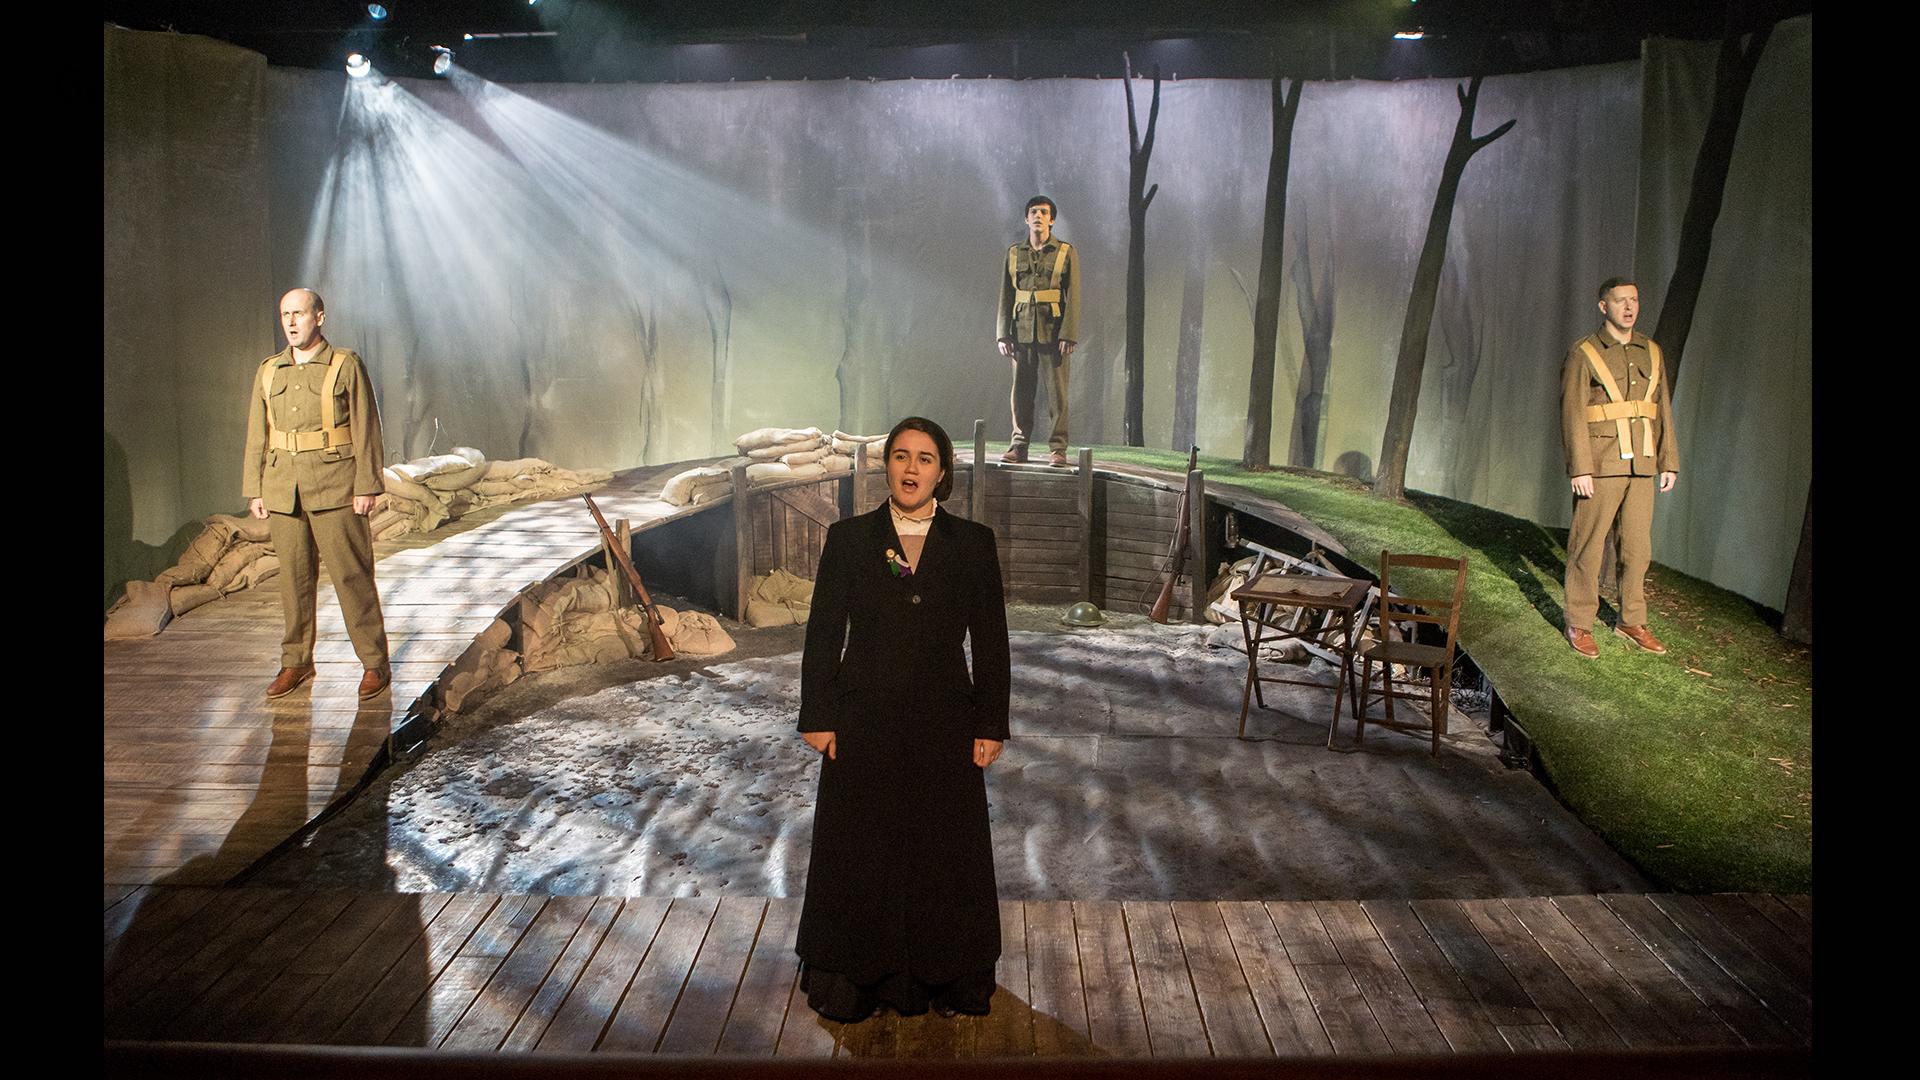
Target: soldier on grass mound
point(1616, 420)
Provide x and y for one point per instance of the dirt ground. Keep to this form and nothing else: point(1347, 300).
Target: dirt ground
point(1123, 780)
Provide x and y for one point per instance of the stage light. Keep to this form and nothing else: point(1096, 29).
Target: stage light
point(466, 37)
point(357, 66)
point(1410, 35)
point(442, 60)
point(378, 11)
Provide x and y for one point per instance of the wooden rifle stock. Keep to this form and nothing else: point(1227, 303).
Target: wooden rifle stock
point(656, 636)
point(1182, 534)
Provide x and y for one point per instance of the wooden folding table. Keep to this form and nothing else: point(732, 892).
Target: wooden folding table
point(1260, 598)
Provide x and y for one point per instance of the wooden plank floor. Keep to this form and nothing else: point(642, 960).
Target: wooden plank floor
point(706, 975)
point(203, 775)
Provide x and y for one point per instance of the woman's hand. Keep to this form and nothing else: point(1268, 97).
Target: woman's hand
point(985, 751)
point(822, 741)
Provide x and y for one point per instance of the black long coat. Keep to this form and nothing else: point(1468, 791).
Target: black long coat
point(901, 878)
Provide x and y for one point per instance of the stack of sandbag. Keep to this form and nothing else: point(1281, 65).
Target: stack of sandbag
point(575, 621)
point(703, 484)
point(773, 453)
point(778, 453)
point(425, 493)
point(230, 554)
point(846, 446)
point(487, 666)
point(779, 599)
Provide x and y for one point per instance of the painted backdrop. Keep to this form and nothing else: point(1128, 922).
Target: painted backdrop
point(611, 275)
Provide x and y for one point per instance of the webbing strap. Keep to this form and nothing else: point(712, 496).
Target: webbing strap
point(334, 434)
point(1037, 296)
point(1643, 410)
point(1616, 410)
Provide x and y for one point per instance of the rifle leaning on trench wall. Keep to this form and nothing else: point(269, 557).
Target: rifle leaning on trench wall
point(1177, 555)
point(656, 637)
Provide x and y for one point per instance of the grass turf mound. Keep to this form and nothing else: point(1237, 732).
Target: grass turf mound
point(1697, 765)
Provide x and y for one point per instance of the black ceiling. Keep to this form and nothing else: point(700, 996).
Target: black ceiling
point(648, 40)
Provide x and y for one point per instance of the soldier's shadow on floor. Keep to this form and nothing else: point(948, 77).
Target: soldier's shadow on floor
point(199, 956)
point(1525, 552)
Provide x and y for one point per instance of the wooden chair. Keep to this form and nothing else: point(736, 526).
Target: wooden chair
point(1388, 650)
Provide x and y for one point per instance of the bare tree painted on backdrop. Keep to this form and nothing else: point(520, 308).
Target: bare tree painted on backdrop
point(1139, 197)
point(1256, 452)
point(1407, 370)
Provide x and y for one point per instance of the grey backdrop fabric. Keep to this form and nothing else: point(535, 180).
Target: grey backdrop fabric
point(188, 297)
point(606, 275)
point(1744, 400)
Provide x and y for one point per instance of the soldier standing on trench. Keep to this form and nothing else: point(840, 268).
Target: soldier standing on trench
point(1039, 325)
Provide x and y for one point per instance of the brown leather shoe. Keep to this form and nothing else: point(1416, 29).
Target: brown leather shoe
point(1642, 637)
point(1015, 455)
point(1057, 459)
point(288, 681)
point(375, 680)
point(1582, 642)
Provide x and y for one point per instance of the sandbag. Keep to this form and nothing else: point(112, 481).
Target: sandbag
point(698, 634)
point(776, 452)
point(256, 572)
point(806, 457)
point(779, 599)
point(847, 442)
point(679, 490)
point(515, 467)
point(184, 598)
point(403, 487)
point(485, 667)
point(142, 612)
point(499, 489)
point(774, 436)
point(462, 459)
point(769, 470)
point(458, 479)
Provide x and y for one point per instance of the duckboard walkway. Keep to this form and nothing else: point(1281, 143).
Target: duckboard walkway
point(1187, 979)
point(204, 775)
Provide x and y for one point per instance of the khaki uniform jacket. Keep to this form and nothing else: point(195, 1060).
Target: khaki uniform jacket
point(1593, 448)
point(1033, 271)
point(320, 479)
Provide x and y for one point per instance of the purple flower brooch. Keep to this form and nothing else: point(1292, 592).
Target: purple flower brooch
point(898, 565)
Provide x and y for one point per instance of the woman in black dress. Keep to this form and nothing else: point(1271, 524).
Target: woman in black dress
point(901, 907)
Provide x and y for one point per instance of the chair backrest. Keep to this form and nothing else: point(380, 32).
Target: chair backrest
point(1437, 610)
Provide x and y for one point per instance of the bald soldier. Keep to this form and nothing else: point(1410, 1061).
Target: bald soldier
point(1616, 419)
point(312, 470)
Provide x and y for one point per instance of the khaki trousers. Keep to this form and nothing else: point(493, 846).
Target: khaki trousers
point(1622, 505)
point(1030, 361)
point(341, 539)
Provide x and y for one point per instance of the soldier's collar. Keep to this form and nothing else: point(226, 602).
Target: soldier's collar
point(1606, 340)
point(325, 350)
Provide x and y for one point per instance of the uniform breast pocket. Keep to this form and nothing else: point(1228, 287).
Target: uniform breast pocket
point(277, 406)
